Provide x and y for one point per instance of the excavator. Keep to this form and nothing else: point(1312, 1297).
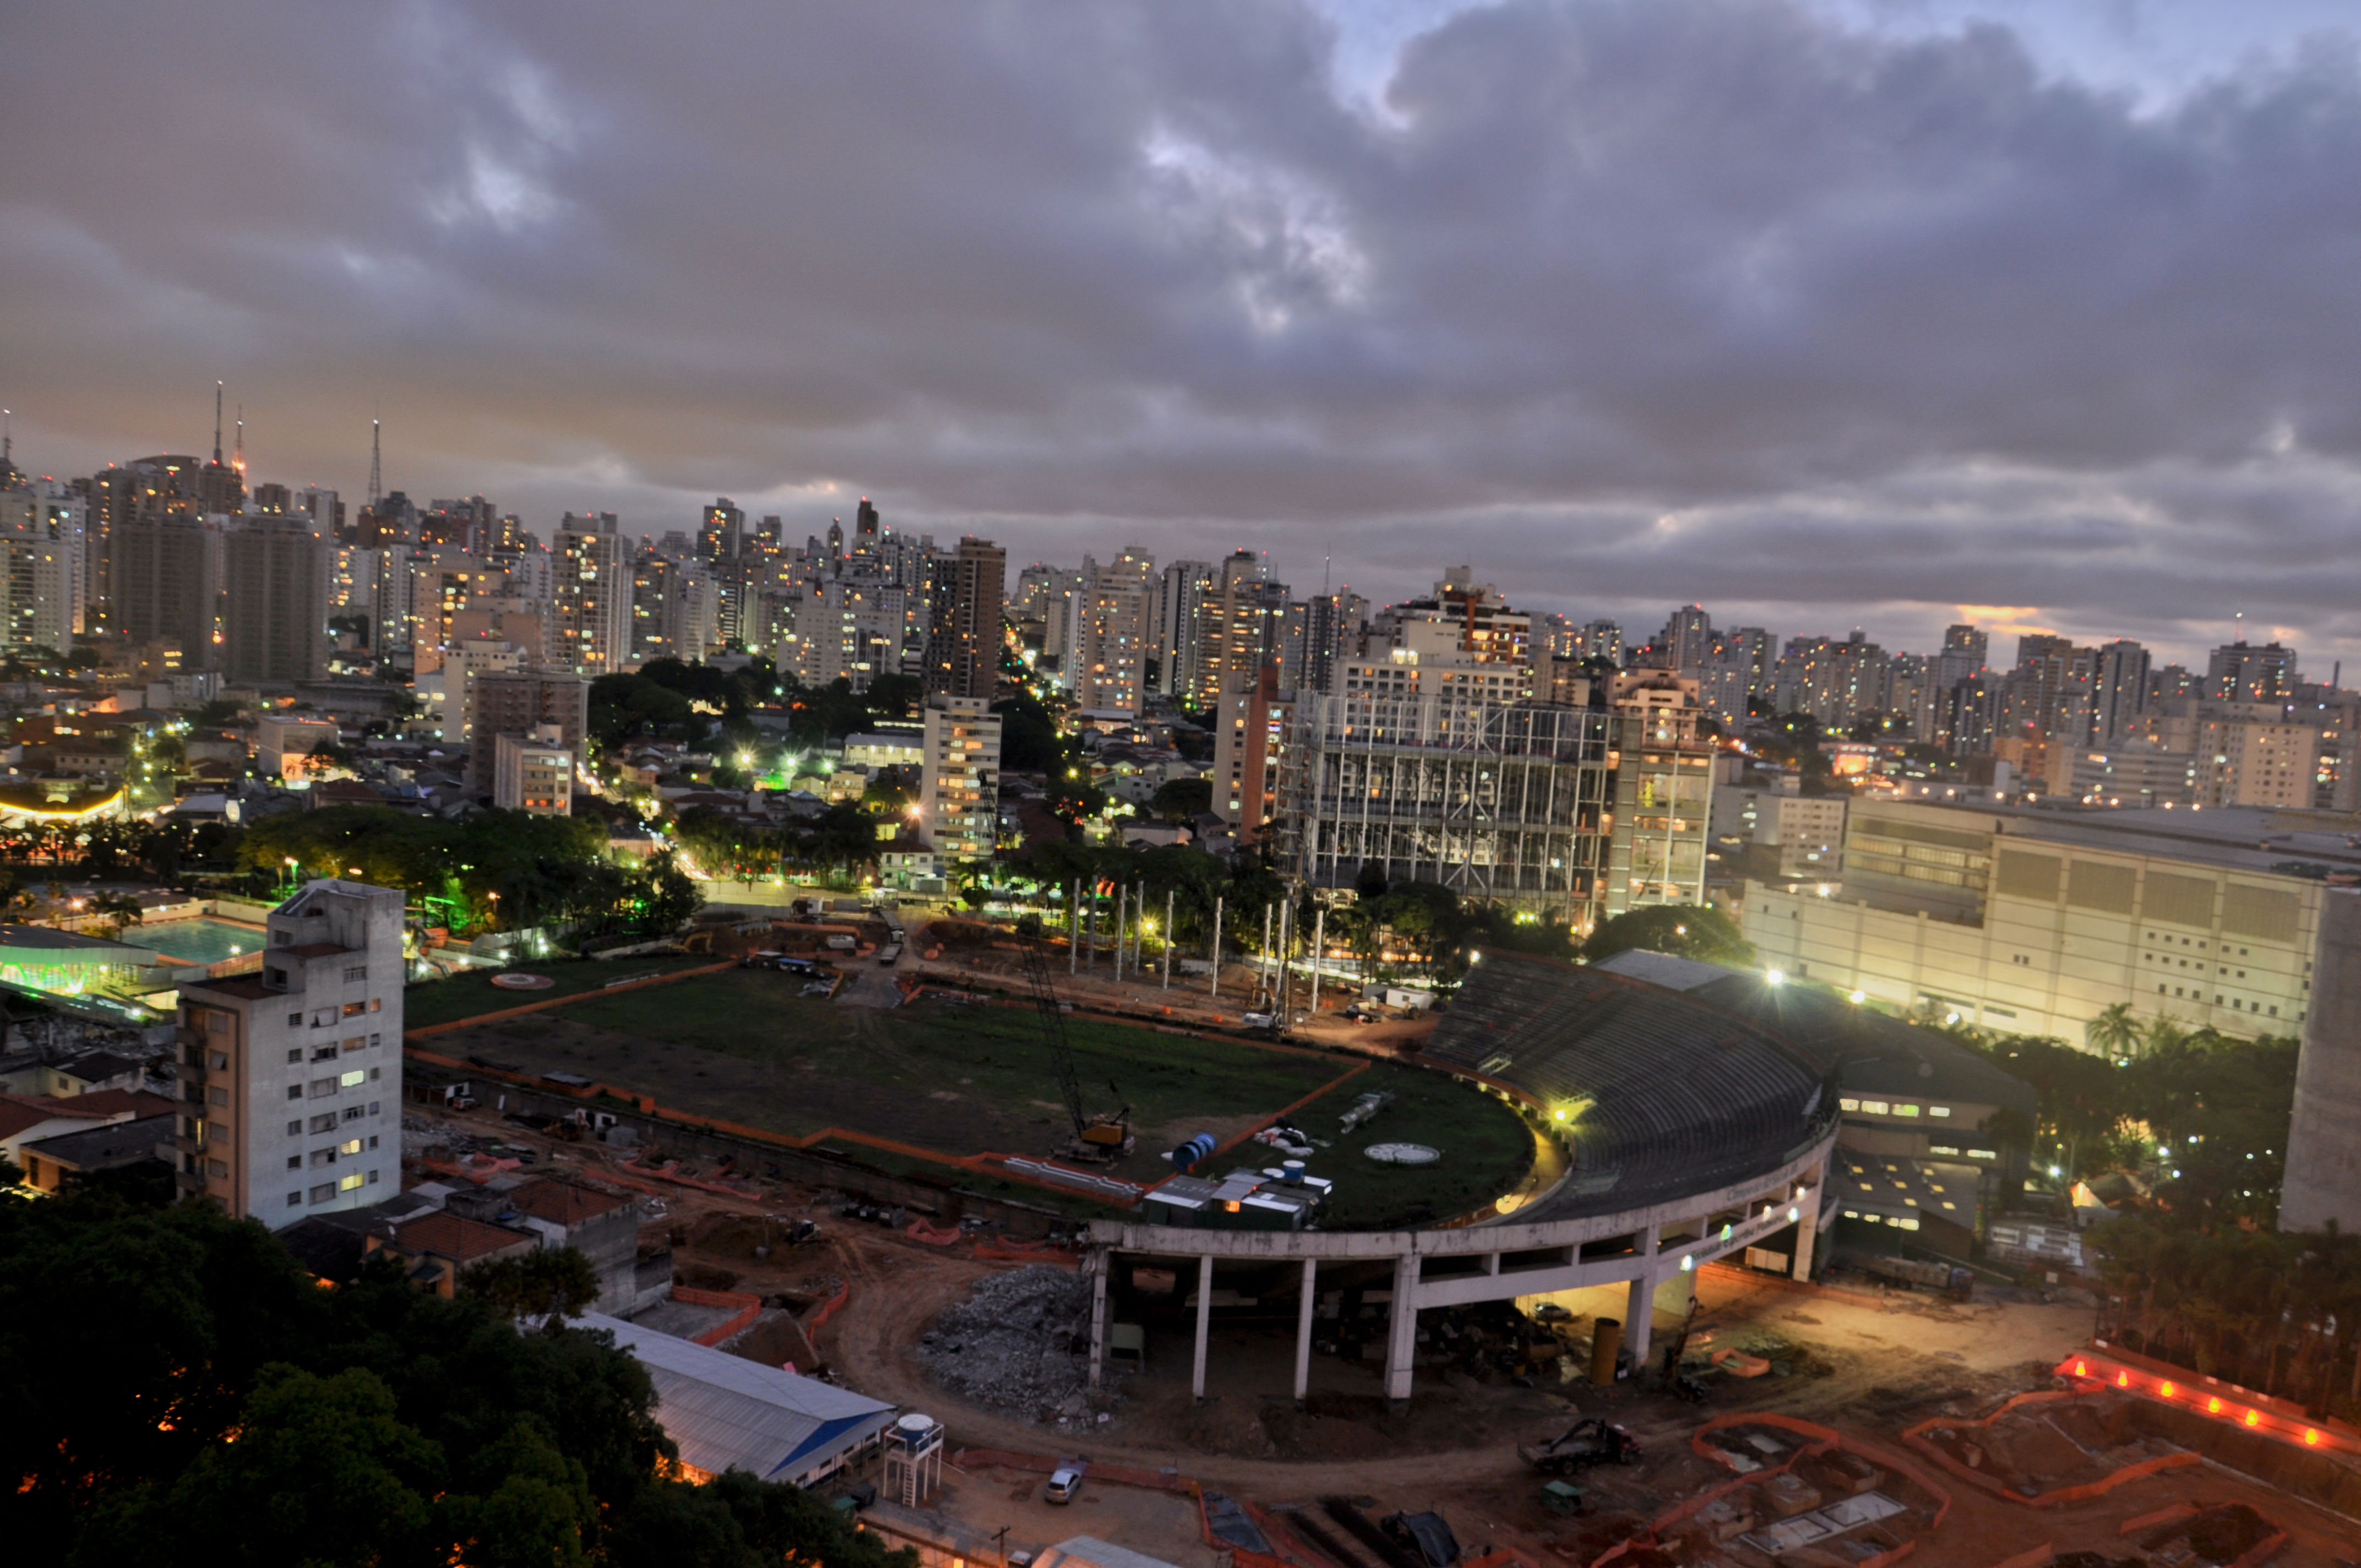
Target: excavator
point(1100, 1138)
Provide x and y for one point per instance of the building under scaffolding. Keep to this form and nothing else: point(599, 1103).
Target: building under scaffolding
point(1571, 814)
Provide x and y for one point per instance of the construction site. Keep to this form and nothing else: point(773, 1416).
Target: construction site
point(1368, 1304)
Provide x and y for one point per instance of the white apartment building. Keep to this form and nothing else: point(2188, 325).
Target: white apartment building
point(41, 559)
point(1807, 830)
point(958, 784)
point(534, 772)
point(291, 1080)
point(2034, 922)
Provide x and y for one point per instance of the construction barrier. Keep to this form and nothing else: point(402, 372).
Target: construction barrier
point(2164, 1384)
point(2080, 1492)
point(829, 1308)
point(933, 1236)
point(1824, 1440)
point(749, 1309)
point(2032, 1558)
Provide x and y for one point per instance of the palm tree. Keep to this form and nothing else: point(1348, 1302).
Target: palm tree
point(2115, 1033)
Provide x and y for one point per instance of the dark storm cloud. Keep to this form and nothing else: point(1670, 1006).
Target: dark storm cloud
point(1626, 303)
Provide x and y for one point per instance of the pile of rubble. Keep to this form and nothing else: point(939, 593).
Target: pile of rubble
point(1020, 1342)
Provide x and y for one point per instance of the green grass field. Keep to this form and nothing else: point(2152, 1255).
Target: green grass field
point(969, 1078)
point(467, 995)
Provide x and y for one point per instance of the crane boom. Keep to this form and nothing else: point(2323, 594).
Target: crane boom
point(1053, 1027)
point(1100, 1137)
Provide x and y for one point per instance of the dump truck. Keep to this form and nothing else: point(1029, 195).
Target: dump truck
point(1952, 1280)
point(1594, 1441)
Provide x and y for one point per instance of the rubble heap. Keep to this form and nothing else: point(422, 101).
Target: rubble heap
point(1020, 1342)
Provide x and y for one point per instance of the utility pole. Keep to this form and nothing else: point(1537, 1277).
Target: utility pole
point(1074, 927)
point(1121, 893)
point(1094, 926)
point(1168, 938)
point(1319, 946)
point(1216, 990)
point(1263, 993)
point(1139, 926)
point(1286, 973)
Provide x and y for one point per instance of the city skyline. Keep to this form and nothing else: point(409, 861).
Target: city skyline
point(1940, 304)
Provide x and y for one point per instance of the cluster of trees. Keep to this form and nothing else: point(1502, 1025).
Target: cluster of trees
point(840, 839)
point(669, 700)
point(2272, 1311)
point(493, 869)
point(181, 1392)
point(103, 849)
point(1421, 924)
point(2207, 1113)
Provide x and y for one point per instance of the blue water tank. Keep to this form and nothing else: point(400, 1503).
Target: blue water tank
point(1189, 1153)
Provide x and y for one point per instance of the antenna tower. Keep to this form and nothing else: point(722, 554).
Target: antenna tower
point(218, 401)
point(377, 479)
point(237, 460)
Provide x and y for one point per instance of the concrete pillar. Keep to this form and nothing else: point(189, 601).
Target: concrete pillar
point(2323, 1148)
point(1808, 1225)
point(1639, 1315)
point(1204, 1323)
point(1304, 1329)
point(1099, 1266)
point(1401, 1328)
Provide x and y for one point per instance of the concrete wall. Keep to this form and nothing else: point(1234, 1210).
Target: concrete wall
point(2193, 943)
point(2323, 1153)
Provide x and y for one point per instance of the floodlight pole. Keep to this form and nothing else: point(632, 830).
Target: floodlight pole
point(1168, 938)
point(1216, 990)
point(1319, 946)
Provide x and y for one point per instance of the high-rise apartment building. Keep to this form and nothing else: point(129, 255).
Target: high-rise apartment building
point(275, 628)
point(590, 596)
point(1243, 626)
point(166, 577)
point(959, 775)
point(1108, 662)
point(290, 1079)
point(963, 640)
point(41, 560)
point(2118, 693)
point(1176, 625)
point(2241, 672)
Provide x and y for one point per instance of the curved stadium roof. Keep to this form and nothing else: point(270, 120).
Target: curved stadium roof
point(1664, 1095)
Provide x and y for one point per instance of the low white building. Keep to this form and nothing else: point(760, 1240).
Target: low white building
point(728, 1413)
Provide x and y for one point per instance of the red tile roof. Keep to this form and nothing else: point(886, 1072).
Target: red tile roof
point(562, 1202)
point(20, 1111)
point(461, 1240)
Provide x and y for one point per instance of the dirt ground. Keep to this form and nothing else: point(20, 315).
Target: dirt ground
point(1870, 1368)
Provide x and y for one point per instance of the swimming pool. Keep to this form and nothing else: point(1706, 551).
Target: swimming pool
point(199, 941)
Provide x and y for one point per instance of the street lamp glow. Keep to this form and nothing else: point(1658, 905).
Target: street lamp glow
point(1776, 977)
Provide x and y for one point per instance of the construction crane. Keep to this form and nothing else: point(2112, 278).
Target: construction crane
point(1099, 1138)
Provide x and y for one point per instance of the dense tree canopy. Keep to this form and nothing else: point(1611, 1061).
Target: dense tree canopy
point(541, 868)
point(179, 1392)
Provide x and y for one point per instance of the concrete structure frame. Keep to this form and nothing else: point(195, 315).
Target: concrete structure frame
point(1496, 1260)
point(1505, 802)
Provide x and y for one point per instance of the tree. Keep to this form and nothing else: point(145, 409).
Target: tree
point(554, 1283)
point(116, 910)
point(200, 1400)
point(1178, 800)
point(1683, 930)
point(2114, 1032)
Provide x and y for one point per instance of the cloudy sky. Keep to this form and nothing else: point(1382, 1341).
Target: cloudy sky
point(1825, 312)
